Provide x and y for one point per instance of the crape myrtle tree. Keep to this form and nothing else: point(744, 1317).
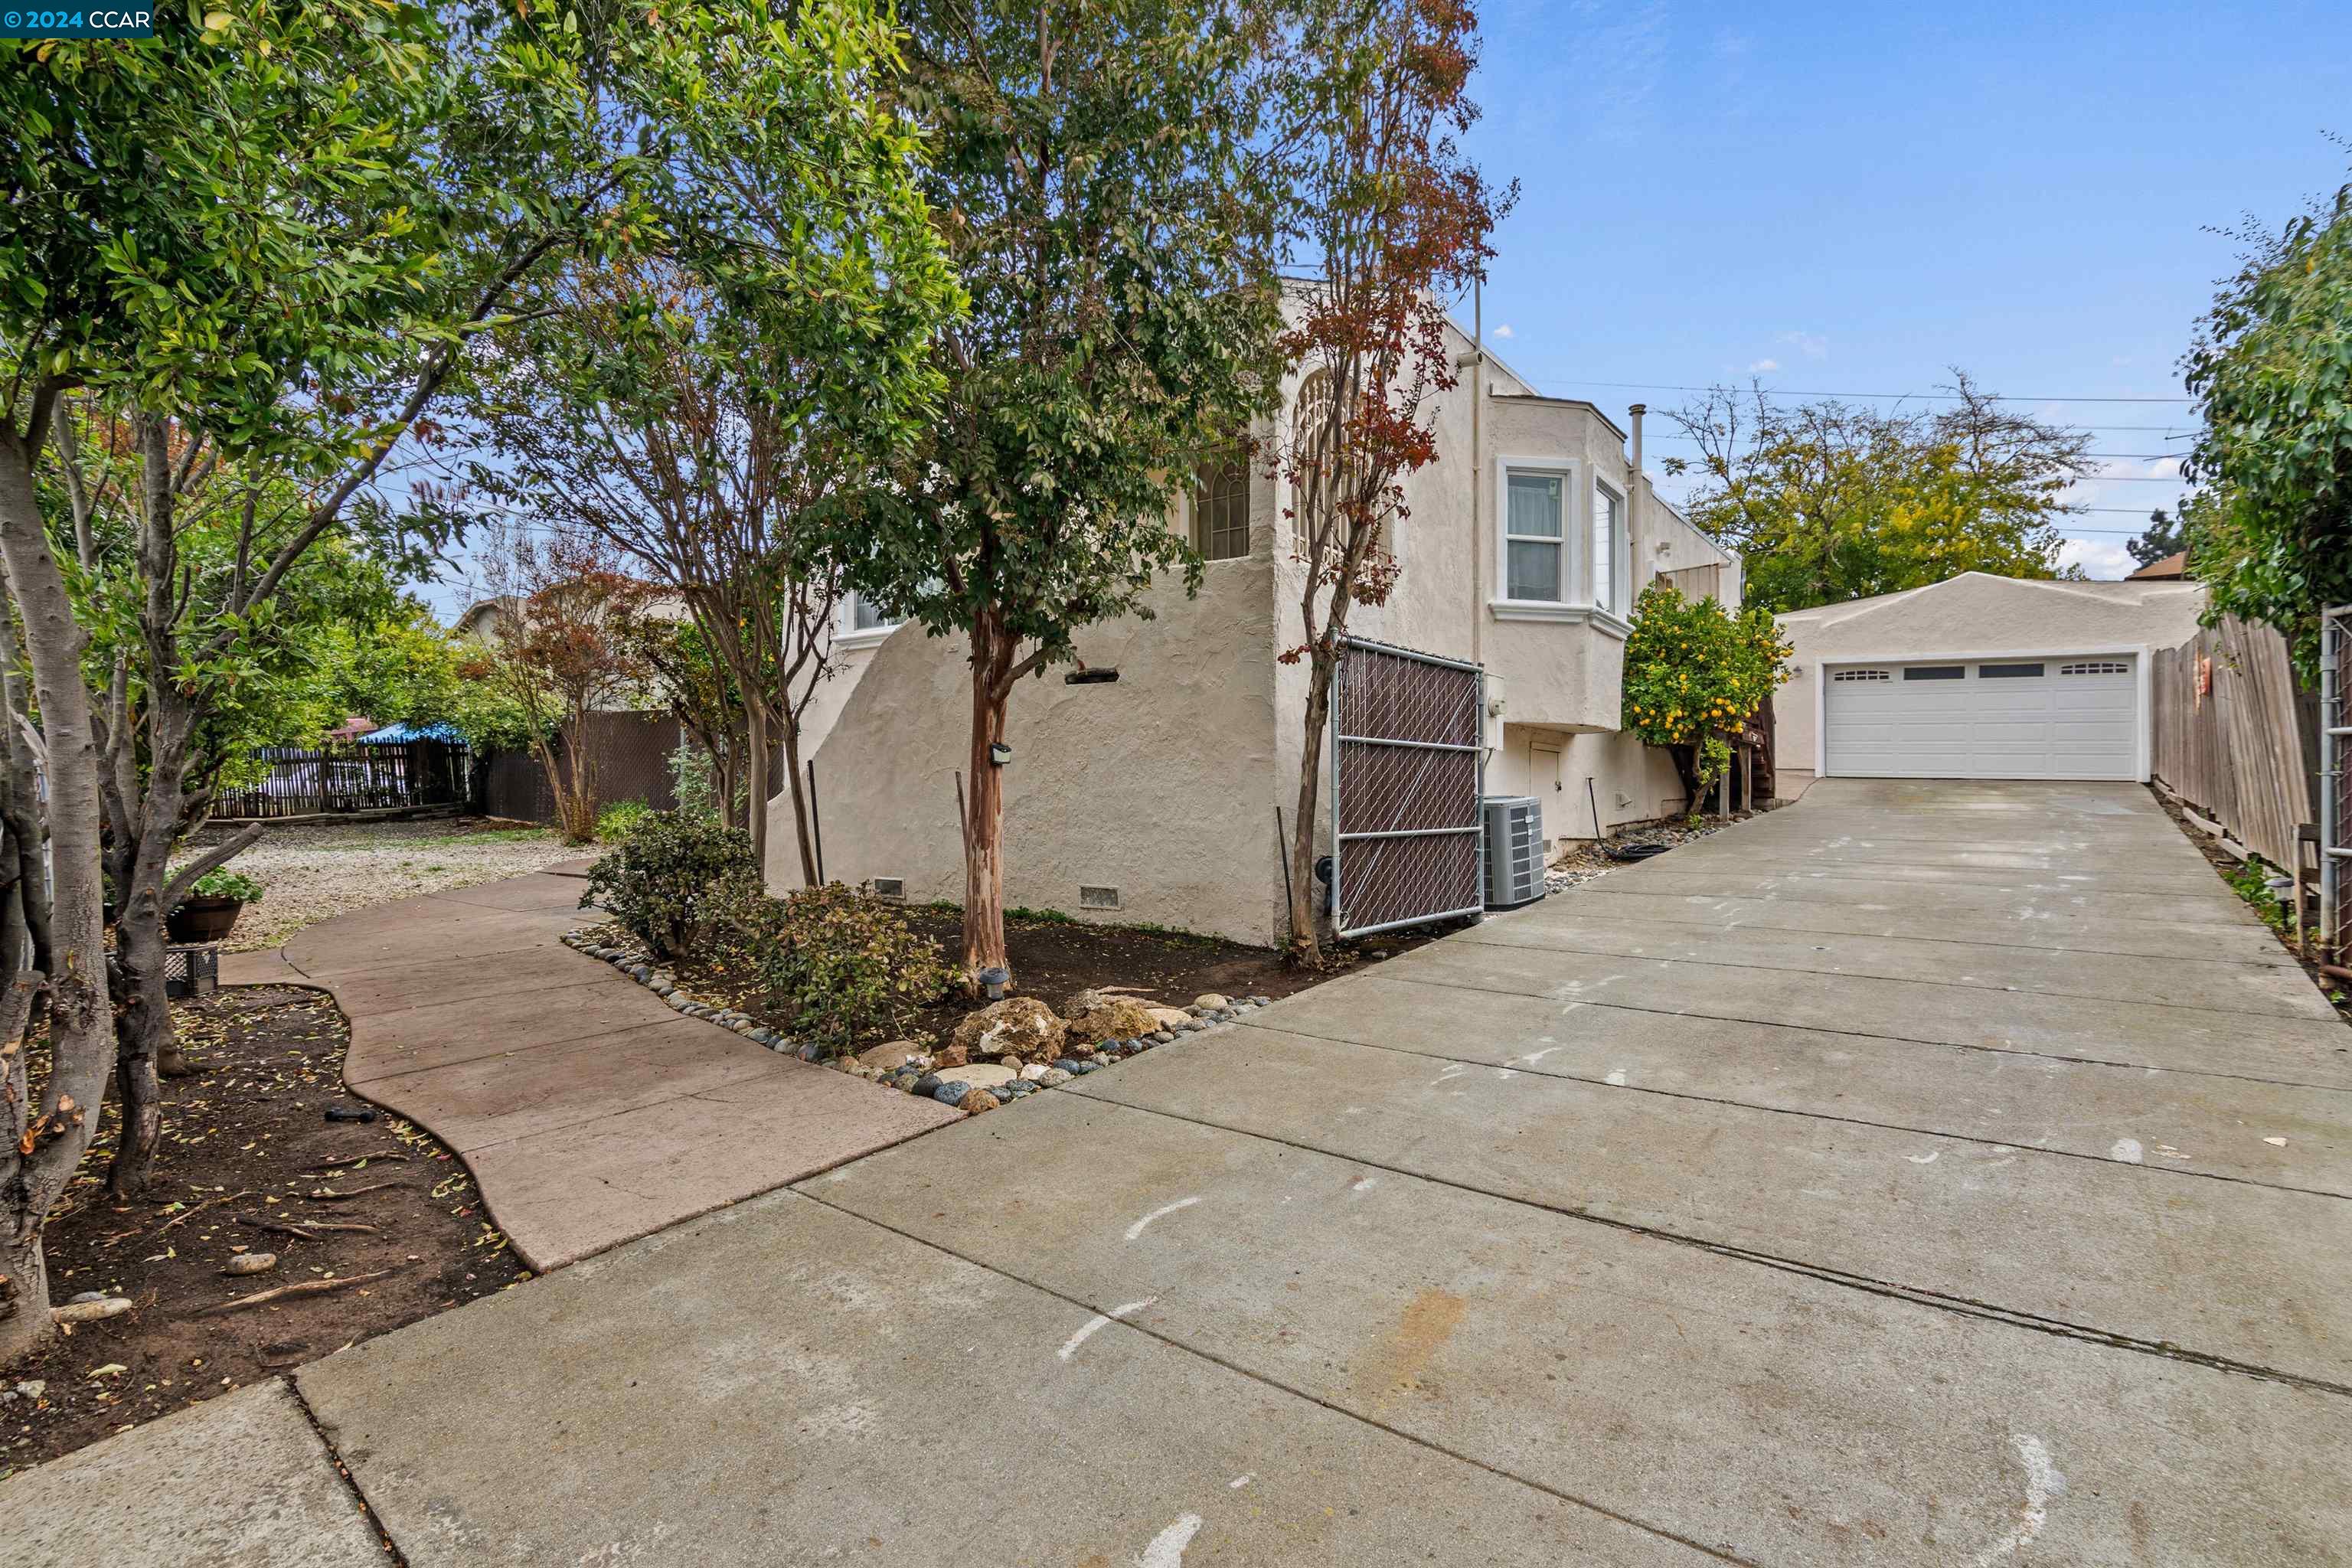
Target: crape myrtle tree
point(281, 231)
point(691, 407)
point(561, 647)
point(701, 695)
point(1394, 220)
point(2271, 537)
point(1829, 500)
point(164, 537)
point(1092, 177)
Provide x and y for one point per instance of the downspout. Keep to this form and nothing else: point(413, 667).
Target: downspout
point(1477, 359)
point(1633, 507)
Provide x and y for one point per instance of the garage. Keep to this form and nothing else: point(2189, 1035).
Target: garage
point(2050, 716)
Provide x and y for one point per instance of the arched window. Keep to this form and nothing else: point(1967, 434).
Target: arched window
point(1221, 505)
point(1311, 419)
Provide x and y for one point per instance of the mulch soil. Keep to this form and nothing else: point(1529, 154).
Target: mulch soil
point(1053, 958)
point(247, 1145)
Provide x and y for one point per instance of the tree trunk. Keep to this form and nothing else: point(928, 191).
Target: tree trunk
point(82, 1030)
point(1306, 902)
point(143, 1037)
point(800, 799)
point(983, 828)
point(755, 724)
point(24, 1293)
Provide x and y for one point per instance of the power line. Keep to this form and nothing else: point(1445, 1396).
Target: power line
point(1932, 396)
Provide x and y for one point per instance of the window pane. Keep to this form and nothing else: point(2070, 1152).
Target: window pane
point(2007, 672)
point(1221, 507)
point(1535, 507)
point(1604, 549)
point(864, 617)
point(1534, 570)
point(1935, 672)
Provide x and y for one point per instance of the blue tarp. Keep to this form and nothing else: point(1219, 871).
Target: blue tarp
point(397, 734)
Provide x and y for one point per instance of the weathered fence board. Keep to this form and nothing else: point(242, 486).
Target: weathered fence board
point(305, 782)
point(2232, 734)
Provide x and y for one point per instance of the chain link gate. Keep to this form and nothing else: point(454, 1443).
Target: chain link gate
point(2335, 787)
point(1408, 772)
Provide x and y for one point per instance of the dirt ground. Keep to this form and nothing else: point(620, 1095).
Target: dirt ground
point(1052, 959)
point(247, 1145)
point(311, 871)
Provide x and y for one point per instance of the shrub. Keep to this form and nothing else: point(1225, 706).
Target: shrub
point(846, 966)
point(673, 879)
point(618, 820)
point(220, 882)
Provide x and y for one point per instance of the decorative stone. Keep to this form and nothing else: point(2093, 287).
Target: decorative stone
point(983, 1075)
point(1211, 1001)
point(891, 1055)
point(955, 1091)
point(1260, 1000)
point(1079, 1066)
point(978, 1100)
point(951, 1056)
point(1052, 1075)
point(1112, 1019)
point(1167, 1017)
point(1034, 1071)
point(1018, 1025)
point(251, 1263)
point(927, 1083)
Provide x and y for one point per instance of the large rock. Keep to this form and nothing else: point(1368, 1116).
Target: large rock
point(1017, 1027)
point(1112, 1018)
point(1168, 1018)
point(983, 1075)
point(891, 1056)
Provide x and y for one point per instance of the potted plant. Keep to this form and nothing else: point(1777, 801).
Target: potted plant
point(209, 912)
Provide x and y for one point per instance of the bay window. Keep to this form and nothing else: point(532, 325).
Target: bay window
point(1562, 546)
point(1535, 536)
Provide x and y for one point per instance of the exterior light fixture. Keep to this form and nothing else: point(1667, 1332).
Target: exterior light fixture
point(993, 980)
point(999, 753)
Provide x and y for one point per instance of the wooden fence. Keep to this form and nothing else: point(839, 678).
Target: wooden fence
point(632, 751)
point(2234, 737)
point(355, 777)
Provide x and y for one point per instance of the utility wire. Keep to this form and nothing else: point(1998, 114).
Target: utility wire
point(1932, 396)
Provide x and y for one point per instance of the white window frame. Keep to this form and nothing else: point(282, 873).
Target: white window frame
point(847, 635)
point(1620, 557)
point(1575, 604)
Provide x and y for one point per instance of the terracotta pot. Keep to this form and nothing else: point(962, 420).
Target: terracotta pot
point(202, 920)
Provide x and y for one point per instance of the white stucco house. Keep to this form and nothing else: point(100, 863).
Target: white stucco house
point(1153, 798)
point(1978, 677)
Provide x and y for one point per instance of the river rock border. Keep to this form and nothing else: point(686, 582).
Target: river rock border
point(919, 1077)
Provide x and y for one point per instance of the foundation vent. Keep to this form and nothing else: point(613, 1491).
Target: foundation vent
point(889, 886)
point(1096, 897)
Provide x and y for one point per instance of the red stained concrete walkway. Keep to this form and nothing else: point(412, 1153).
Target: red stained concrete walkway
point(589, 1112)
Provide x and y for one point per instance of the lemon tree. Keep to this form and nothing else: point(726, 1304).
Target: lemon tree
point(1693, 673)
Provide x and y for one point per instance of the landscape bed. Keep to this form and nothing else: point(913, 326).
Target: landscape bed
point(246, 1144)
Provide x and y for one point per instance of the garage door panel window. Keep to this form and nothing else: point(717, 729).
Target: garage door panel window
point(1859, 675)
point(2009, 671)
point(2096, 667)
point(1934, 672)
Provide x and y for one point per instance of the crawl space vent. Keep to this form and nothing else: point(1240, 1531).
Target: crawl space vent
point(889, 886)
point(1098, 898)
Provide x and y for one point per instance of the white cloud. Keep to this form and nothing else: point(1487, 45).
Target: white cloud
point(1812, 345)
point(1760, 366)
point(2101, 558)
point(1502, 332)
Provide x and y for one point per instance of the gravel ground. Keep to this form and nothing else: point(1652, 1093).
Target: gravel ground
point(1583, 862)
point(312, 871)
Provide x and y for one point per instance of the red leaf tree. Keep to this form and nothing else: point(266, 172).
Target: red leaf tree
point(1397, 220)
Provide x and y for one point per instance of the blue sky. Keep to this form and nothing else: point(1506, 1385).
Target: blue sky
point(1849, 198)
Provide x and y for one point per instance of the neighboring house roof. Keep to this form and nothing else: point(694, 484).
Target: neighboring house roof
point(1980, 609)
point(352, 728)
point(2171, 568)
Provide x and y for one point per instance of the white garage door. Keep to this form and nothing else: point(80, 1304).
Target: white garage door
point(1999, 718)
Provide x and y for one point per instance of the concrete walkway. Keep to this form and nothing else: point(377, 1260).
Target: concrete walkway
point(589, 1112)
point(1940, 1174)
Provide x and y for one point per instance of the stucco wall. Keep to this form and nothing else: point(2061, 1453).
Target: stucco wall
point(1970, 616)
point(1158, 785)
point(1629, 782)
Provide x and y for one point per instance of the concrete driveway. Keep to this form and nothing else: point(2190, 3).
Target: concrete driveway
point(1927, 1173)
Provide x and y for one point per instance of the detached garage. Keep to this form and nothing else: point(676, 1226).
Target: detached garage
point(1978, 677)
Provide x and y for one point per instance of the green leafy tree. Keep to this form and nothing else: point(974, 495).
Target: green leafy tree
point(1695, 673)
point(2272, 364)
point(1094, 177)
point(2167, 535)
point(1828, 501)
